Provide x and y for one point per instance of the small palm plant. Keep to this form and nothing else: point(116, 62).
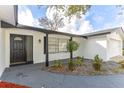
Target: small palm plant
point(97, 63)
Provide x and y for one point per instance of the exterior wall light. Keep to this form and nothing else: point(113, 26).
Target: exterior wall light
point(39, 40)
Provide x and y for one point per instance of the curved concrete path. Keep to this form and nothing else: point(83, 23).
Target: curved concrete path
point(32, 75)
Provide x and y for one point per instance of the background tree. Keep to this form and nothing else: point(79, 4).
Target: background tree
point(121, 8)
point(71, 10)
point(71, 47)
point(68, 11)
point(54, 24)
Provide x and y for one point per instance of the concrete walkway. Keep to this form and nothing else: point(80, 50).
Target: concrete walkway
point(32, 75)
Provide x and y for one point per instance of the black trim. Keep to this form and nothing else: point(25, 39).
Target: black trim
point(32, 28)
point(47, 31)
point(71, 52)
point(6, 25)
point(47, 51)
point(44, 44)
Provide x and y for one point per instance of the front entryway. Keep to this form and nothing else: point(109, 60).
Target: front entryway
point(21, 49)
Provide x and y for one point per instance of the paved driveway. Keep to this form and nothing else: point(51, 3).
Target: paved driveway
point(32, 75)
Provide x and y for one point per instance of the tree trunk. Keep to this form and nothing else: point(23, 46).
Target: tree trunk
point(71, 52)
point(71, 55)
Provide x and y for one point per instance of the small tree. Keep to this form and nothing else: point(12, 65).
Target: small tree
point(71, 47)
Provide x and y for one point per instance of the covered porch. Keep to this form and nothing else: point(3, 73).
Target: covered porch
point(39, 42)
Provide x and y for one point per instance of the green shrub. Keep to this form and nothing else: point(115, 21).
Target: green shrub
point(122, 63)
point(71, 65)
point(97, 59)
point(123, 52)
point(72, 46)
point(97, 63)
point(57, 64)
point(79, 61)
point(82, 59)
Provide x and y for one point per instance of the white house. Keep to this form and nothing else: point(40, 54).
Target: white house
point(20, 44)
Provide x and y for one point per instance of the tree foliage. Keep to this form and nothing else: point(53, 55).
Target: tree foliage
point(121, 8)
point(77, 10)
point(71, 10)
point(72, 46)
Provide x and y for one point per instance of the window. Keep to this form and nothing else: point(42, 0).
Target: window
point(62, 45)
point(53, 45)
point(56, 45)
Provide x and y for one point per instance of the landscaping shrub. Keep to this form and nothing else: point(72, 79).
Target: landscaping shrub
point(123, 52)
point(57, 64)
point(71, 65)
point(79, 61)
point(82, 59)
point(97, 63)
point(122, 63)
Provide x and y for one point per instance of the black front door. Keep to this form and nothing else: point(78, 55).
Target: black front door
point(17, 49)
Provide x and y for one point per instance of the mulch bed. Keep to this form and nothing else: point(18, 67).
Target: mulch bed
point(107, 68)
point(4, 84)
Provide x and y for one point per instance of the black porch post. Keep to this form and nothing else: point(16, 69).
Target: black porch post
point(47, 53)
point(71, 52)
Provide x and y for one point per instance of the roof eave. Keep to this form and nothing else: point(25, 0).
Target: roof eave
point(6, 24)
point(98, 34)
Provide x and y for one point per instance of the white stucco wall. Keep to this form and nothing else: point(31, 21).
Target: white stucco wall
point(112, 40)
point(95, 45)
point(38, 48)
point(81, 43)
point(2, 52)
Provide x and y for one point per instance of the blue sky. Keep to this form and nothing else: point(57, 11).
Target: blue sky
point(98, 17)
point(38, 11)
